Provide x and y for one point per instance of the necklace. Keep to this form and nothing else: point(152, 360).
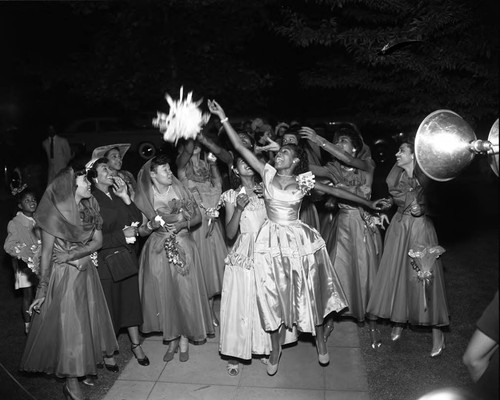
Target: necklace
point(284, 175)
point(164, 193)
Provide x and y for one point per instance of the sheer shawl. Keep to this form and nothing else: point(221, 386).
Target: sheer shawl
point(60, 215)
point(144, 196)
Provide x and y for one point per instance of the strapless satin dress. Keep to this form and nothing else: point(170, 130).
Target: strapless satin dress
point(295, 280)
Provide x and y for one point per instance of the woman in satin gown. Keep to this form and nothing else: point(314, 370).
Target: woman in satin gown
point(296, 282)
point(398, 294)
point(308, 211)
point(203, 179)
point(352, 238)
point(241, 332)
point(173, 294)
point(72, 331)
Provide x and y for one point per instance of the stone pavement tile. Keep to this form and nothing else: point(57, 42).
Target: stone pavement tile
point(129, 390)
point(181, 391)
point(345, 334)
point(205, 366)
point(155, 350)
point(346, 370)
point(346, 395)
point(298, 369)
point(255, 393)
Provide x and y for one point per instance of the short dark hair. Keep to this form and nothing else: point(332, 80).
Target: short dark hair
point(161, 159)
point(301, 154)
point(352, 134)
point(105, 155)
point(25, 192)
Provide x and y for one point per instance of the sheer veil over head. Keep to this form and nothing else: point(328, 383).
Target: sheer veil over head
point(60, 215)
point(144, 196)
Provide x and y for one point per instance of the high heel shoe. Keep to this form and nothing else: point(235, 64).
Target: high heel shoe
point(111, 367)
point(184, 355)
point(273, 368)
point(142, 361)
point(169, 355)
point(68, 395)
point(374, 337)
point(396, 333)
point(439, 351)
point(323, 359)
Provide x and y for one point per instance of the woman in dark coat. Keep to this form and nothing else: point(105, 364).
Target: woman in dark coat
point(118, 265)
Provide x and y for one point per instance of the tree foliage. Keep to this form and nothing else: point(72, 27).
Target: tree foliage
point(444, 55)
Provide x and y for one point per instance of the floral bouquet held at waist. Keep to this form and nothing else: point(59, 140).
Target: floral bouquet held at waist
point(422, 261)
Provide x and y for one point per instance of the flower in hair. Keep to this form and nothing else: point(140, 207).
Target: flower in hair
point(16, 190)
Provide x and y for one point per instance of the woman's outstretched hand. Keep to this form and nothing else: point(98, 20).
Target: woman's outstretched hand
point(309, 134)
point(216, 109)
point(270, 146)
point(380, 204)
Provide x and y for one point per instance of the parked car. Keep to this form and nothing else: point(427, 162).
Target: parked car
point(84, 135)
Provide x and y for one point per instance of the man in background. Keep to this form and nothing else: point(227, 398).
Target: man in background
point(58, 153)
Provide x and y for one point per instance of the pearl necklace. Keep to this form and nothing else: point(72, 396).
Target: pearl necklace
point(162, 194)
point(284, 176)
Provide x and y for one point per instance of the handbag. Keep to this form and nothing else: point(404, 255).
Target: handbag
point(121, 264)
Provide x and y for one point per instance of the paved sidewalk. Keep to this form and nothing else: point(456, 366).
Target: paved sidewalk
point(204, 376)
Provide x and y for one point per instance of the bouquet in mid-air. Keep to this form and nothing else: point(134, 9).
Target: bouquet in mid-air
point(184, 120)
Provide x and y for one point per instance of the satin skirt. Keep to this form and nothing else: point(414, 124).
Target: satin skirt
point(213, 251)
point(296, 282)
point(397, 293)
point(241, 330)
point(355, 251)
point(309, 213)
point(73, 331)
point(173, 303)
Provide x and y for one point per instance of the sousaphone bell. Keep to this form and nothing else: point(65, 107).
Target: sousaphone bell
point(445, 144)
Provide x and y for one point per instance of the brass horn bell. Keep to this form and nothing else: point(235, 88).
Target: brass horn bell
point(445, 144)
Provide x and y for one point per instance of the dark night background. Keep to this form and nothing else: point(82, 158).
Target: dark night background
point(272, 58)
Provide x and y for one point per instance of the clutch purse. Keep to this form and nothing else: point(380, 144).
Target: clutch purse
point(122, 264)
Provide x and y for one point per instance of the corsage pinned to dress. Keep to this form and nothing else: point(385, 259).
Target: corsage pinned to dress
point(184, 120)
point(422, 261)
point(212, 214)
point(31, 255)
point(306, 182)
point(175, 255)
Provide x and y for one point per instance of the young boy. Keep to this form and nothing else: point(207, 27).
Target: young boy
point(23, 244)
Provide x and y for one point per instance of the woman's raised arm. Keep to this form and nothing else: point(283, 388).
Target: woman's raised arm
point(247, 154)
point(378, 205)
point(311, 135)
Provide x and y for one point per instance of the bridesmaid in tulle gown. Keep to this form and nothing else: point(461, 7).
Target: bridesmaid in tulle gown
point(352, 238)
point(203, 179)
point(173, 294)
point(296, 282)
point(398, 292)
point(72, 331)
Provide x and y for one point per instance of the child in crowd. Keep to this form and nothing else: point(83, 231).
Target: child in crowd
point(23, 244)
